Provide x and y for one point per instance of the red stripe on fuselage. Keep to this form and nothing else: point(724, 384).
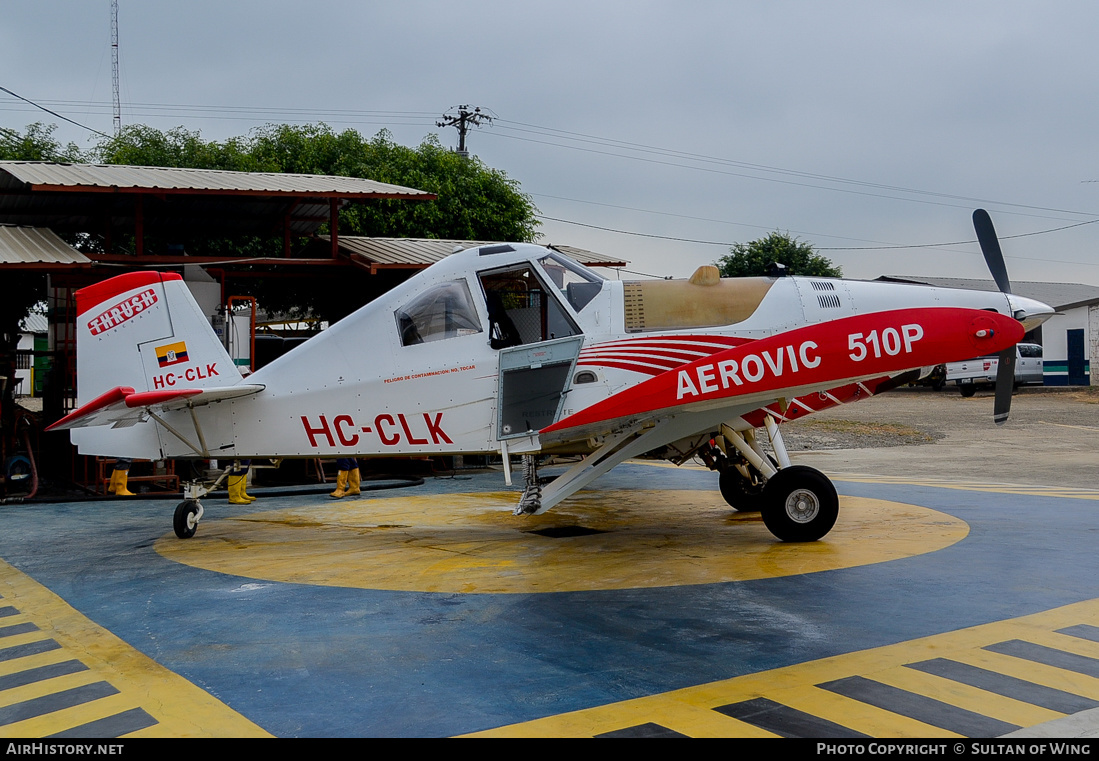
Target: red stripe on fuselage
point(825, 354)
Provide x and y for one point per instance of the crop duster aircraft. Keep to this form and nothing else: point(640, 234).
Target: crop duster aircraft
point(518, 350)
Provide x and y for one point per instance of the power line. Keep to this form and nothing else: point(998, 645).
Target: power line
point(631, 232)
point(420, 117)
point(640, 147)
point(704, 219)
point(714, 170)
point(54, 113)
point(957, 243)
point(860, 248)
point(411, 118)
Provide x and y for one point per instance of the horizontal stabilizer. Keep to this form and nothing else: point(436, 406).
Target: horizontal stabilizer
point(122, 405)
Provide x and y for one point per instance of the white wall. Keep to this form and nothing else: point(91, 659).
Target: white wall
point(1055, 342)
point(26, 343)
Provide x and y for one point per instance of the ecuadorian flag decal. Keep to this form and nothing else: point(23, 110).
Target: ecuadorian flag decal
point(171, 354)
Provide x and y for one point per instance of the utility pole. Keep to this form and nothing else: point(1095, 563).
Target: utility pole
point(114, 68)
point(462, 122)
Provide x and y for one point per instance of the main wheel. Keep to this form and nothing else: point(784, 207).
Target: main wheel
point(741, 494)
point(968, 390)
point(800, 504)
point(185, 521)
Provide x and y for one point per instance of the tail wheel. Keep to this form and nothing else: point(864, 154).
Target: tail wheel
point(800, 504)
point(185, 521)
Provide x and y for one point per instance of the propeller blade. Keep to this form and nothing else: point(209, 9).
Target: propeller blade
point(994, 258)
point(990, 247)
point(1005, 385)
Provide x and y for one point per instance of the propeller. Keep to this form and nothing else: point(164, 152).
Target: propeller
point(994, 258)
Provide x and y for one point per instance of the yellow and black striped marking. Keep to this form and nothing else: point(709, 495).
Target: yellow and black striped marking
point(62, 676)
point(984, 681)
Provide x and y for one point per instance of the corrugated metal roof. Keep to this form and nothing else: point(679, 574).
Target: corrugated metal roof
point(40, 175)
point(1057, 295)
point(36, 245)
point(423, 252)
point(402, 251)
point(35, 323)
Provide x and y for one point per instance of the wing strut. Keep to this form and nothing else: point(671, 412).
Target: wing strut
point(777, 443)
point(749, 449)
point(617, 449)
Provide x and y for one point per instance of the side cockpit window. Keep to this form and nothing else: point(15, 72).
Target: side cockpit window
point(521, 309)
point(578, 284)
point(442, 311)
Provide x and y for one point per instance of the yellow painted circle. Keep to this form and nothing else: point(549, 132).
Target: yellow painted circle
point(471, 543)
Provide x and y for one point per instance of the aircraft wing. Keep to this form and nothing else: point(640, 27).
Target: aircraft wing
point(122, 406)
point(806, 360)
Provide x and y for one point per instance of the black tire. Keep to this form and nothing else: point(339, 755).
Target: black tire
point(742, 495)
point(800, 504)
point(182, 522)
point(968, 390)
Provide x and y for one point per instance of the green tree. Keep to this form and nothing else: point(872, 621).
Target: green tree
point(755, 257)
point(36, 143)
point(474, 201)
point(138, 145)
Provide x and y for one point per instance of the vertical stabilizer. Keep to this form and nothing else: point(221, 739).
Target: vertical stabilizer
point(144, 330)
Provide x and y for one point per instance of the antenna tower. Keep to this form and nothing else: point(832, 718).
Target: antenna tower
point(114, 68)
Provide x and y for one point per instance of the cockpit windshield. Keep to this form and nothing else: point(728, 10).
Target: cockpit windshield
point(577, 283)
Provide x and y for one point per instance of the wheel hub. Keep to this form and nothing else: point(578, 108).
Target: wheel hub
point(802, 505)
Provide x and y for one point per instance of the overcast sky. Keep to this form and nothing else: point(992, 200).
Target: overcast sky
point(856, 126)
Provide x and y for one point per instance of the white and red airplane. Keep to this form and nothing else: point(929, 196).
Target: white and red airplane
point(518, 350)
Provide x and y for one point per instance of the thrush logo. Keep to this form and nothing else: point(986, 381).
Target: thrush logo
point(122, 311)
point(172, 354)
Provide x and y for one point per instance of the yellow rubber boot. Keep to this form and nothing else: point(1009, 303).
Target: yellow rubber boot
point(120, 489)
point(236, 486)
point(243, 488)
point(114, 482)
point(352, 483)
point(341, 485)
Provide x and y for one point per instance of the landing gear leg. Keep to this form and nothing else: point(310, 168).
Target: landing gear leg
point(531, 500)
point(742, 473)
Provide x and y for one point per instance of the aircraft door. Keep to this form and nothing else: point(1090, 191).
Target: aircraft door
point(539, 344)
point(533, 383)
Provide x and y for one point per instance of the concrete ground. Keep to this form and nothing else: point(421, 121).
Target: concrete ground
point(1051, 437)
point(956, 597)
